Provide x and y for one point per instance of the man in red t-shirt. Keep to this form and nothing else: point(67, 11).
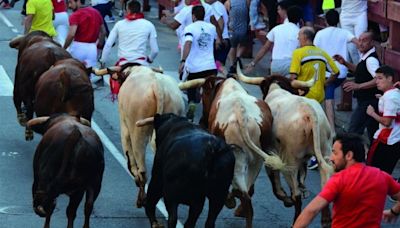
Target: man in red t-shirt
point(86, 30)
point(358, 192)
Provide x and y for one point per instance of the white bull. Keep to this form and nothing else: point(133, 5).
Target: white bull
point(301, 129)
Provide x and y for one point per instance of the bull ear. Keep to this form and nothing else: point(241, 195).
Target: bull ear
point(85, 121)
point(145, 122)
point(14, 43)
point(37, 121)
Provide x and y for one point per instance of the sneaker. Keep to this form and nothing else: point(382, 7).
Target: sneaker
point(121, 13)
point(191, 111)
point(312, 163)
point(109, 19)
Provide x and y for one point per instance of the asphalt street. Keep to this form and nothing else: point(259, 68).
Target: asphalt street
point(115, 206)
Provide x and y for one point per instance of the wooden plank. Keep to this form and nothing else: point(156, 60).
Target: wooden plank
point(391, 58)
point(378, 8)
point(394, 36)
point(393, 10)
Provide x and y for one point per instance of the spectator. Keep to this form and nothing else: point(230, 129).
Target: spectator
point(334, 41)
point(60, 22)
point(238, 21)
point(309, 61)
point(283, 39)
point(198, 58)
point(39, 17)
point(385, 149)
point(364, 86)
point(133, 34)
point(358, 192)
point(86, 27)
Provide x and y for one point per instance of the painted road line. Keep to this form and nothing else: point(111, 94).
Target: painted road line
point(6, 86)
point(122, 161)
point(8, 23)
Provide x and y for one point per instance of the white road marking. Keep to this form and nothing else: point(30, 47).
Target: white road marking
point(122, 161)
point(8, 23)
point(6, 86)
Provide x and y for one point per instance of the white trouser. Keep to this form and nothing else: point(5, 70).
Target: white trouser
point(356, 24)
point(84, 52)
point(61, 25)
point(281, 66)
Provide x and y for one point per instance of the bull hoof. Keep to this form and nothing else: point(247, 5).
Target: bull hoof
point(239, 212)
point(230, 202)
point(28, 135)
point(157, 225)
point(21, 119)
point(288, 202)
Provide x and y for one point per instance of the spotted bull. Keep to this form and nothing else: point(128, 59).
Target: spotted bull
point(301, 129)
point(68, 160)
point(241, 119)
point(190, 165)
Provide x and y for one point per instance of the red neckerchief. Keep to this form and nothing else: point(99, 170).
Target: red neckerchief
point(195, 3)
point(134, 16)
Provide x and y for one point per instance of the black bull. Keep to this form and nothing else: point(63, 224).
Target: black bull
point(68, 160)
point(190, 164)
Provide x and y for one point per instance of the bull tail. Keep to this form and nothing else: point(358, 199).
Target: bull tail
point(316, 134)
point(159, 95)
point(271, 160)
point(65, 81)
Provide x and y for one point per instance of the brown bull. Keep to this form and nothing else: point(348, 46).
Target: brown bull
point(36, 56)
point(241, 119)
point(65, 87)
point(301, 129)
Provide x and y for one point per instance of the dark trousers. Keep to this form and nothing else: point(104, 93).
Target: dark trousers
point(360, 120)
point(386, 157)
point(194, 93)
point(105, 10)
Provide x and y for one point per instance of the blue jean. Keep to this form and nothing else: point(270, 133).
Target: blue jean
point(360, 120)
point(253, 12)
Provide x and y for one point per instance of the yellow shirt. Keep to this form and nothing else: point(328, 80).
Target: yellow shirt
point(42, 11)
point(311, 61)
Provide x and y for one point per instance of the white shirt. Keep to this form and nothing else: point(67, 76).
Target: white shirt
point(334, 41)
point(133, 37)
point(284, 37)
point(220, 9)
point(201, 55)
point(389, 106)
point(353, 7)
point(184, 17)
point(372, 62)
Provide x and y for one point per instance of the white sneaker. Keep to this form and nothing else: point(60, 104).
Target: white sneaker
point(108, 19)
point(121, 13)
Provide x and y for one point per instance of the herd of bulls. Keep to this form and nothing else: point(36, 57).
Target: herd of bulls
point(219, 159)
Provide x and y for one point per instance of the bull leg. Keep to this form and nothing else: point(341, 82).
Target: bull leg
point(154, 195)
point(325, 173)
point(274, 177)
point(91, 196)
point(291, 178)
point(245, 210)
point(47, 222)
point(74, 201)
point(18, 103)
point(301, 178)
point(29, 116)
point(172, 208)
point(215, 204)
point(194, 212)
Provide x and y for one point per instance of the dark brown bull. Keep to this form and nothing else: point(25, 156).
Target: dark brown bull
point(37, 54)
point(68, 160)
point(64, 88)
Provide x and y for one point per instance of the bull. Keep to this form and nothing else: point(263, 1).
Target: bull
point(241, 119)
point(301, 129)
point(65, 87)
point(37, 53)
point(68, 160)
point(143, 94)
point(190, 165)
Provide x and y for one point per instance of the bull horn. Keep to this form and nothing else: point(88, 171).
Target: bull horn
point(108, 70)
point(144, 122)
point(303, 84)
point(85, 122)
point(195, 83)
point(14, 43)
point(246, 79)
point(37, 120)
point(158, 70)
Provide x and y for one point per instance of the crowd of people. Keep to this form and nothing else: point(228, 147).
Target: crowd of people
point(211, 31)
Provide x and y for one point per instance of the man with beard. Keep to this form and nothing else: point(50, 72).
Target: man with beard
point(358, 192)
point(87, 32)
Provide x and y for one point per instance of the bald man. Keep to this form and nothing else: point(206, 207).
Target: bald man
point(364, 86)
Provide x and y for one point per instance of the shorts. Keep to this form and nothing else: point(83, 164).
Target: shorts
point(308, 13)
point(221, 53)
point(237, 38)
point(330, 89)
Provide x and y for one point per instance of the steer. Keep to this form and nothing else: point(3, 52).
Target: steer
point(37, 55)
point(68, 160)
point(190, 164)
point(64, 88)
point(301, 129)
point(241, 119)
point(143, 94)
